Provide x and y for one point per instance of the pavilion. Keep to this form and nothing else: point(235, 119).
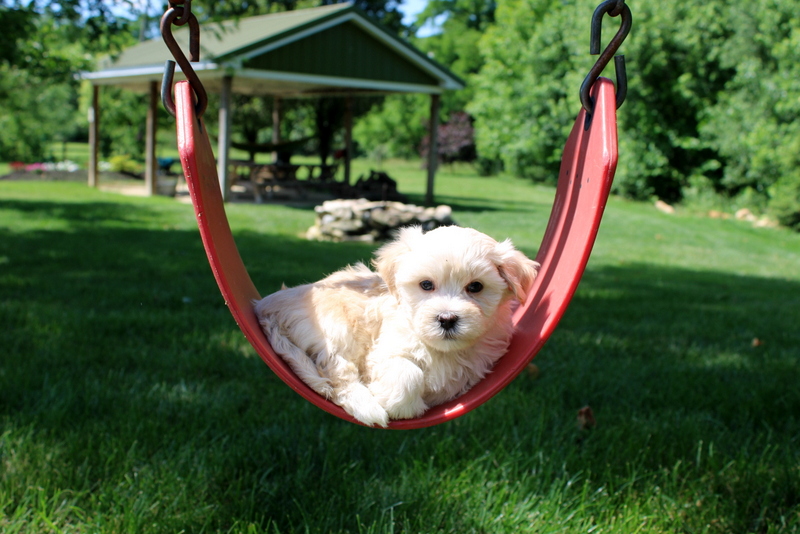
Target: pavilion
point(334, 50)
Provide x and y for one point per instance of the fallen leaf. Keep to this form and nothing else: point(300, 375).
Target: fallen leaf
point(586, 418)
point(533, 370)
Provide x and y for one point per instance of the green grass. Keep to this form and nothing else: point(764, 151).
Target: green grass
point(130, 402)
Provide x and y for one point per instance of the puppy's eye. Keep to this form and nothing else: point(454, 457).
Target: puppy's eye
point(426, 285)
point(474, 287)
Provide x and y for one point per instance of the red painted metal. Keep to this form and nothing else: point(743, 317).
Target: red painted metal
point(587, 170)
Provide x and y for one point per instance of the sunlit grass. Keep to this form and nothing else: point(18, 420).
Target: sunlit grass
point(130, 402)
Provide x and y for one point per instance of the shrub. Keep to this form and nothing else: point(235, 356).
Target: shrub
point(125, 164)
point(713, 91)
point(488, 166)
point(455, 140)
point(785, 201)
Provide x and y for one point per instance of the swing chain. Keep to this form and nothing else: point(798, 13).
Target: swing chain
point(185, 8)
point(613, 8)
point(617, 11)
point(179, 13)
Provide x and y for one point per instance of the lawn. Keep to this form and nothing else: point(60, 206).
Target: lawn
point(130, 402)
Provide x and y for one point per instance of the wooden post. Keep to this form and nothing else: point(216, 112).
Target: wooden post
point(151, 165)
point(276, 125)
point(433, 150)
point(224, 141)
point(94, 136)
point(348, 136)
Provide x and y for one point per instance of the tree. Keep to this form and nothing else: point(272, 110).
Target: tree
point(536, 57)
point(394, 127)
point(43, 47)
point(713, 96)
point(398, 126)
point(525, 95)
point(754, 126)
point(17, 23)
point(455, 140)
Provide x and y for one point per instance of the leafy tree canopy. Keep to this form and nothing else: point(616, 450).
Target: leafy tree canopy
point(713, 94)
point(42, 47)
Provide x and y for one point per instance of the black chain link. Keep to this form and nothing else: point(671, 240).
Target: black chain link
point(608, 7)
point(179, 13)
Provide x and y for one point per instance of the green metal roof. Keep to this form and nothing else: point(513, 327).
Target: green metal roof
point(303, 52)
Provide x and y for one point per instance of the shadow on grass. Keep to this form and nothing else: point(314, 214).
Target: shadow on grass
point(120, 355)
point(459, 203)
point(470, 204)
point(77, 213)
point(661, 339)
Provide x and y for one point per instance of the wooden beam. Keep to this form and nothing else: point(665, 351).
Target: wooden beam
point(348, 136)
point(276, 125)
point(224, 141)
point(150, 163)
point(433, 149)
point(94, 136)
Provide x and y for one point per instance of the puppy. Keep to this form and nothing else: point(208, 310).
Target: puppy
point(423, 329)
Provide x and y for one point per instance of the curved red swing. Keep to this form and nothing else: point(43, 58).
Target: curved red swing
point(587, 170)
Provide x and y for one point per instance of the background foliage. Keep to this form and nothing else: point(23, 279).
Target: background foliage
point(397, 126)
point(43, 45)
point(49, 43)
point(713, 97)
point(712, 109)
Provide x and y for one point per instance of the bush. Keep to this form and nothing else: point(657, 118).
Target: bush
point(393, 127)
point(455, 140)
point(125, 164)
point(705, 98)
point(785, 202)
point(488, 166)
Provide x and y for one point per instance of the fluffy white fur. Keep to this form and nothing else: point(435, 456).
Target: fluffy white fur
point(423, 329)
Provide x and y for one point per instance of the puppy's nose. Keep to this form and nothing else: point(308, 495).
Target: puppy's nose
point(448, 320)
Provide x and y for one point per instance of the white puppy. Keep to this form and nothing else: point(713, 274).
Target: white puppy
point(422, 330)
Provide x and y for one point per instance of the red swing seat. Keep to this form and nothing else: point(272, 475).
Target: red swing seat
point(587, 170)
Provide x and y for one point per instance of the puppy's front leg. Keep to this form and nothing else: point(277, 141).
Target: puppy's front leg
point(398, 384)
point(357, 400)
point(351, 394)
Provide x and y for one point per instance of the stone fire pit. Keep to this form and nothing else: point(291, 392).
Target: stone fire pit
point(368, 221)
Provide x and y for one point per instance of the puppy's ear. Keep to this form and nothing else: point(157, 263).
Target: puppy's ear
point(516, 268)
point(388, 256)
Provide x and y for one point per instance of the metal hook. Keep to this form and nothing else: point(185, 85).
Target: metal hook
point(613, 8)
point(178, 16)
point(185, 15)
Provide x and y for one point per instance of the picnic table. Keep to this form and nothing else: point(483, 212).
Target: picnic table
point(265, 179)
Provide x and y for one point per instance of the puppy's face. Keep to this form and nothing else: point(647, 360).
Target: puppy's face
point(451, 281)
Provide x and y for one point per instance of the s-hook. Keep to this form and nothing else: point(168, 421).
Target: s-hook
point(613, 8)
point(179, 13)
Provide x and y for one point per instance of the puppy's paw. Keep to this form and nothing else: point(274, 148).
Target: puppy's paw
point(398, 385)
point(359, 402)
point(408, 408)
point(372, 415)
point(324, 388)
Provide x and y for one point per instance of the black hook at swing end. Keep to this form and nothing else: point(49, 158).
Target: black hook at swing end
point(613, 8)
point(179, 15)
